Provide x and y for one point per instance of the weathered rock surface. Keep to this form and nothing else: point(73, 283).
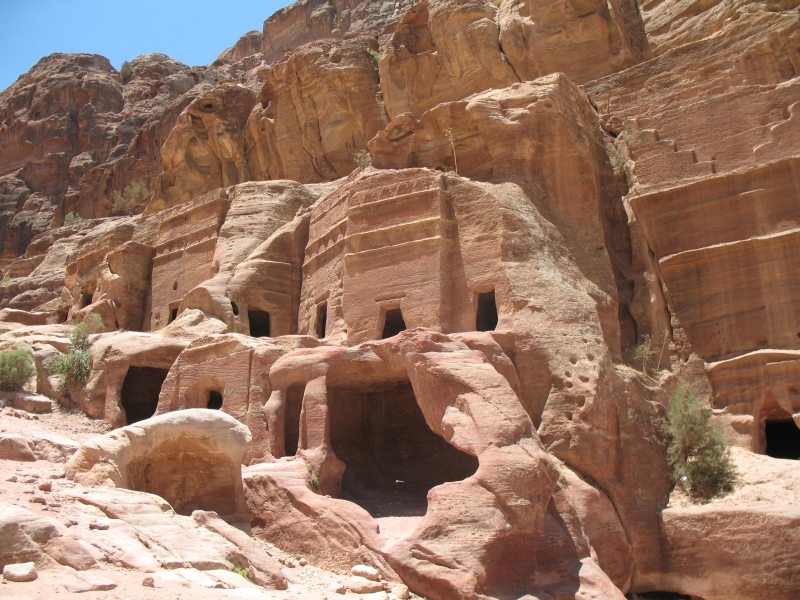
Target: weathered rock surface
point(442, 51)
point(317, 108)
point(205, 149)
point(190, 458)
point(420, 360)
point(52, 448)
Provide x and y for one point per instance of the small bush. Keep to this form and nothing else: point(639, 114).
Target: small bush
point(126, 71)
point(75, 365)
point(241, 571)
point(127, 200)
point(315, 482)
point(362, 158)
point(375, 54)
point(16, 368)
point(644, 354)
point(72, 218)
point(700, 459)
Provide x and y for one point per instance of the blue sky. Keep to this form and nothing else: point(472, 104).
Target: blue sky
point(194, 32)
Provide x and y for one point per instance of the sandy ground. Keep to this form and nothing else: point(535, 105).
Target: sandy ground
point(20, 484)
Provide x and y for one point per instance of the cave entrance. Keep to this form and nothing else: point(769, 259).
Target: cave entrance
point(86, 299)
point(393, 458)
point(322, 320)
point(294, 407)
point(140, 391)
point(783, 439)
point(259, 323)
point(214, 400)
point(393, 323)
point(486, 319)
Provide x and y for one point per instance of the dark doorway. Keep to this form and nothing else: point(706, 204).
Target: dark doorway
point(322, 320)
point(294, 407)
point(173, 314)
point(235, 309)
point(214, 400)
point(140, 391)
point(486, 319)
point(783, 439)
point(86, 299)
point(393, 323)
point(259, 323)
point(393, 458)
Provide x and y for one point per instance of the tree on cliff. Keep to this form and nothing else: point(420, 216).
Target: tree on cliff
point(700, 459)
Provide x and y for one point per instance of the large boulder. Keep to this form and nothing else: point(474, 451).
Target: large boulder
point(190, 458)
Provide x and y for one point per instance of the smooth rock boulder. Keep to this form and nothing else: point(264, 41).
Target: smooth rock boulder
point(20, 572)
point(190, 458)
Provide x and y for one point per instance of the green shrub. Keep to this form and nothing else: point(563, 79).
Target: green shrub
point(241, 571)
point(362, 158)
point(643, 354)
point(72, 218)
point(375, 54)
point(16, 368)
point(75, 365)
point(700, 459)
point(315, 482)
point(127, 200)
point(125, 71)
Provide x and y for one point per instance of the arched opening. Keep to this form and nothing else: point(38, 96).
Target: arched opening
point(86, 299)
point(140, 391)
point(393, 323)
point(294, 408)
point(783, 439)
point(214, 400)
point(393, 458)
point(486, 319)
point(322, 320)
point(235, 309)
point(259, 323)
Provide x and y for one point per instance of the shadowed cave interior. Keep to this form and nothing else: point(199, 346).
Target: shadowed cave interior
point(259, 323)
point(783, 439)
point(393, 458)
point(140, 391)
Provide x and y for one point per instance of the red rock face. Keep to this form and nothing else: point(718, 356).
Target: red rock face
point(413, 249)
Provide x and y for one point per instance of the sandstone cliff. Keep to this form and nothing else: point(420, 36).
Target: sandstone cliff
point(410, 250)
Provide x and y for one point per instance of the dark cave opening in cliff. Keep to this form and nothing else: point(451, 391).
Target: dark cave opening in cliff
point(393, 458)
point(322, 320)
point(393, 323)
point(783, 439)
point(259, 323)
point(294, 407)
point(140, 391)
point(214, 400)
point(486, 319)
